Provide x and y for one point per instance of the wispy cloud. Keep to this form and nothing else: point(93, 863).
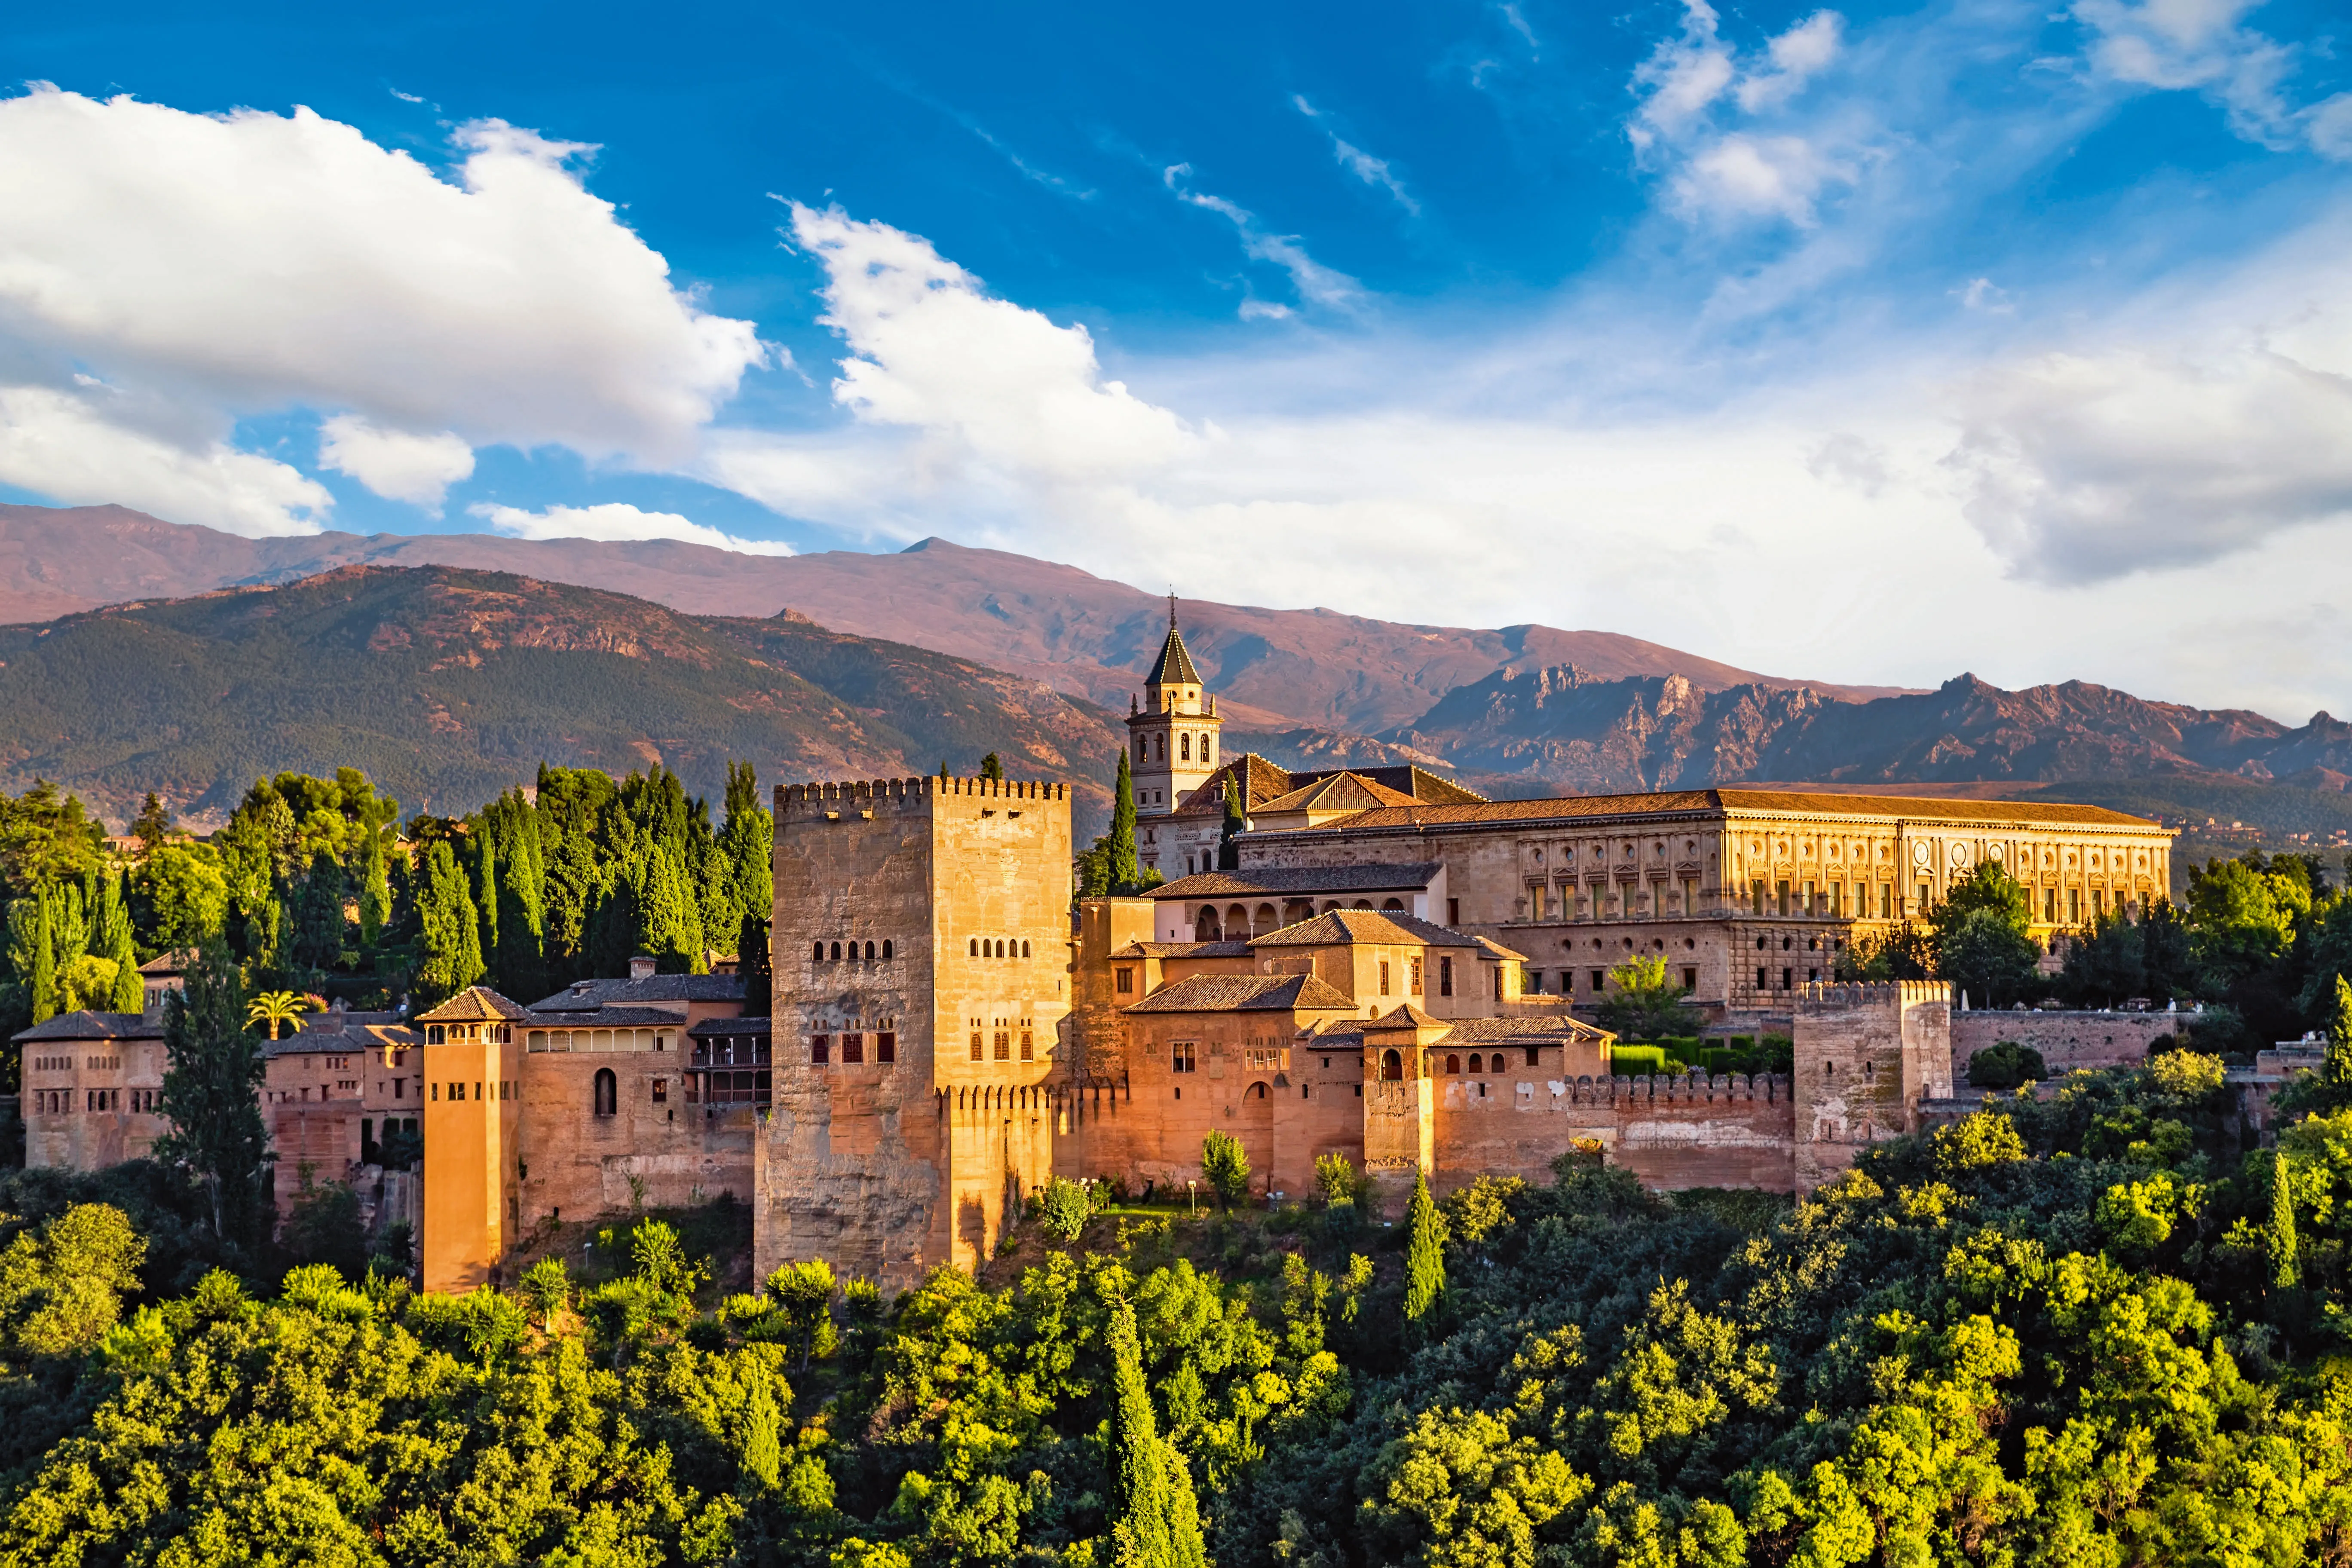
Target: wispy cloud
point(2203, 46)
point(615, 522)
point(1373, 172)
point(1316, 283)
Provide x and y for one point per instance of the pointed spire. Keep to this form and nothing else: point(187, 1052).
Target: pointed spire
point(1171, 609)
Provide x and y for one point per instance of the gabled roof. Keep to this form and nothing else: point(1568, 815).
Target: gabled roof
point(1238, 948)
point(1336, 928)
point(176, 962)
point(1406, 1018)
point(474, 1004)
point(1338, 792)
point(1522, 1028)
point(83, 1026)
point(1244, 994)
point(1175, 666)
point(1278, 881)
point(362, 1036)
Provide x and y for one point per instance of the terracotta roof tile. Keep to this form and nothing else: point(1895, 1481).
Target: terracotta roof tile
point(84, 1026)
point(1244, 994)
point(1340, 792)
point(474, 1004)
point(1278, 880)
point(1406, 1018)
point(1337, 927)
point(1820, 803)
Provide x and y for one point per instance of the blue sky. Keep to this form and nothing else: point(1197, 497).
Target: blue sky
point(1865, 343)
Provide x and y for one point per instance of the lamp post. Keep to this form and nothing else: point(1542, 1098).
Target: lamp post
point(1191, 1191)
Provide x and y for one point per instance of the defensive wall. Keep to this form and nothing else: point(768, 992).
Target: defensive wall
point(2066, 1040)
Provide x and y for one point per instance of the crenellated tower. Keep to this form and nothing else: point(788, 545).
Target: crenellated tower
point(1172, 730)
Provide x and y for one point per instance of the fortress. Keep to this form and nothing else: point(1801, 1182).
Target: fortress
point(1392, 971)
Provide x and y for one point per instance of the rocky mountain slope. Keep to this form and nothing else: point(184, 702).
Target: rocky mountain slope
point(1274, 669)
point(448, 686)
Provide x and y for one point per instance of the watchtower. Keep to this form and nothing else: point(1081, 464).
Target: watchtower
point(1172, 732)
point(1866, 1055)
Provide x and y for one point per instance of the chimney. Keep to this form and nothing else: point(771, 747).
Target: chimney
point(641, 967)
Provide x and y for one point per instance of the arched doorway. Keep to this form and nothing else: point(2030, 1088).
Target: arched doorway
point(608, 1093)
point(1392, 1066)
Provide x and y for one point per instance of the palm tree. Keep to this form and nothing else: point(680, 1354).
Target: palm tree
point(275, 1007)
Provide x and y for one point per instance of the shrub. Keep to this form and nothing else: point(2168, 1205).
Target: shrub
point(1225, 1168)
point(2006, 1066)
point(1980, 1138)
point(1639, 1060)
point(1065, 1207)
point(2191, 1075)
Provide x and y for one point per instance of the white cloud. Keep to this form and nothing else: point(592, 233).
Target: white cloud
point(1373, 172)
point(2204, 46)
point(1757, 175)
point(395, 464)
point(613, 520)
point(1683, 76)
point(1796, 55)
point(1691, 81)
point(1984, 294)
point(1320, 284)
point(58, 444)
point(216, 266)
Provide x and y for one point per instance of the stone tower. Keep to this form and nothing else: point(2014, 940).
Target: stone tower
point(1174, 731)
point(1866, 1055)
point(921, 953)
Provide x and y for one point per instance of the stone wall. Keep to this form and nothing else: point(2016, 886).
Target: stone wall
point(1865, 1058)
point(2066, 1040)
point(656, 1150)
point(1698, 1130)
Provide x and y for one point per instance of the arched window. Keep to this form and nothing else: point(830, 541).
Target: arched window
point(816, 954)
point(608, 1092)
point(869, 953)
point(1205, 748)
point(1453, 1064)
point(1025, 950)
point(1257, 1091)
point(1185, 746)
point(885, 950)
point(1162, 747)
point(1000, 950)
point(1474, 1068)
point(974, 952)
point(1142, 748)
point(837, 952)
point(1391, 1068)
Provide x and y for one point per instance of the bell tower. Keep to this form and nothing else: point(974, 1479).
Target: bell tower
point(1173, 732)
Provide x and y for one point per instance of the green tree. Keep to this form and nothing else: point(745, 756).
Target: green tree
point(183, 895)
point(1982, 943)
point(2285, 1269)
point(1122, 830)
point(375, 891)
point(1644, 1002)
point(318, 937)
point(747, 841)
point(1225, 1168)
point(763, 1451)
point(151, 824)
point(991, 767)
point(211, 1096)
point(753, 962)
point(44, 986)
point(1904, 951)
point(672, 926)
point(130, 992)
point(1155, 1516)
point(1229, 849)
point(449, 955)
point(1425, 1255)
point(485, 896)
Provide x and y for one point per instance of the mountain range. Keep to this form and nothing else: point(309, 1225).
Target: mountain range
point(616, 654)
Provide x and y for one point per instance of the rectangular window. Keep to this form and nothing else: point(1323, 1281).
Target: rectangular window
point(853, 1049)
point(1788, 980)
point(1756, 894)
point(436, 1091)
point(1535, 982)
point(1180, 1056)
point(1759, 979)
point(1690, 895)
point(975, 1045)
point(1923, 898)
point(1125, 982)
point(1783, 888)
point(1028, 1045)
point(1690, 979)
point(2074, 906)
point(1004, 1045)
point(661, 1091)
point(1568, 982)
point(1445, 977)
point(2049, 906)
point(1599, 980)
point(1805, 904)
point(1415, 989)
point(1886, 900)
point(820, 1049)
point(1384, 976)
point(886, 1046)
point(1453, 917)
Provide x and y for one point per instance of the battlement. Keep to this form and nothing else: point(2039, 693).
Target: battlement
point(805, 802)
point(1822, 996)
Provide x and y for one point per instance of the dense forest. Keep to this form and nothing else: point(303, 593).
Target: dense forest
point(2089, 1325)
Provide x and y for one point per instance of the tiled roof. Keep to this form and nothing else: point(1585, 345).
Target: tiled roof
point(1406, 1018)
point(1175, 666)
point(81, 1025)
point(474, 1004)
point(1340, 791)
point(611, 1018)
point(723, 1028)
point(1264, 780)
point(359, 1037)
point(1269, 780)
point(586, 995)
point(1536, 1027)
point(1336, 927)
point(1244, 993)
point(1763, 801)
point(1252, 880)
point(1237, 949)
point(174, 963)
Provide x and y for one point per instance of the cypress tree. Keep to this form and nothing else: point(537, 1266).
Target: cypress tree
point(375, 890)
point(45, 967)
point(319, 914)
point(2336, 1070)
point(751, 962)
point(211, 1096)
point(1229, 854)
point(748, 840)
point(1123, 872)
point(1424, 1257)
point(763, 1452)
point(449, 947)
point(2286, 1267)
point(672, 926)
point(485, 893)
point(129, 995)
point(1157, 1521)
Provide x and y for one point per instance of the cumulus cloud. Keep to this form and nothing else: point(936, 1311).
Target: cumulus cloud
point(1373, 172)
point(247, 262)
point(1316, 283)
point(1694, 82)
point(2204, 46)
point(614, 520)
point(62, 445)
point(396, 464)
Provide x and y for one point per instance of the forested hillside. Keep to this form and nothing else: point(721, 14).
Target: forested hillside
point(2088, 1327)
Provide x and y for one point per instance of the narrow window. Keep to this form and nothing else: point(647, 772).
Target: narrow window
point(1028, 1046)
point(1125, 981)
point(1384, 976)
point(1181, 1059)
point(869, 953)
point(1000, 1045)
point(1453, 917)
point(885, 950)
point(436, 1091)
point(1453, 1065)
point(1475, 1069)
point(1886, 900)
point(817, 956)
point(820, 1049)
point(1534, 1057)
point(1185, 746)
point(608, 1092)
point(1690, 979)
point(975, 1045)
point(1787, 978)
point(837, 952)
point(853, 1049)
point(1445, 977)
point(1759, 980)
point(661, 1091)
point(886, 1046)
point(1415, 987)
point(1391, 1068)
point(972, 948)
point(1025, 950)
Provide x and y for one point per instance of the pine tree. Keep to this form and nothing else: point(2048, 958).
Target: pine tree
point(45, 967)
point(751, 963)
point(1424, 1257)
point(2286, 1267)
point(991, 767)
point(375, 890)
point(151, 824)
point(1156, 1518)
point(211, 1096)
point(1123, 873)
point(449, 946)
point(130, 993)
